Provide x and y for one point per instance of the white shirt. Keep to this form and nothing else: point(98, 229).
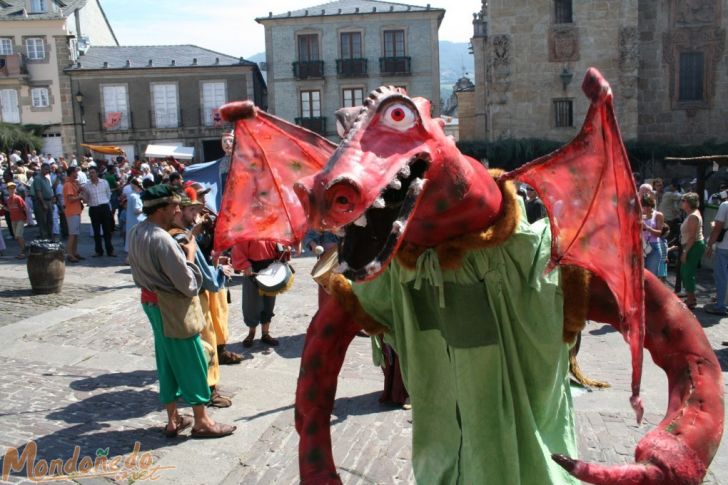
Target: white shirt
point(722, 216)
point(82, 179)
point(98, 193)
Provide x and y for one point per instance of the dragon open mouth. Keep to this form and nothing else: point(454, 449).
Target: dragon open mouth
point(369, 243)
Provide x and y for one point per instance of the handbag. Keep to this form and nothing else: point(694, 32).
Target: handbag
point(182, 316)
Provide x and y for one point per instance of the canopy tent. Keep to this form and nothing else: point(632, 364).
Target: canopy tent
point(164, 151)
point(105, 149)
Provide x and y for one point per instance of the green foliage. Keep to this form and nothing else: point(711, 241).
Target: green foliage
point(512, 153)
point(20, 137)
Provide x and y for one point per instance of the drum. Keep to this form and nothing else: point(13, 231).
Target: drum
point(324, 267)
point(274, 279)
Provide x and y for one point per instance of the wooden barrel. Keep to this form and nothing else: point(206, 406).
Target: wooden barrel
point(46, 266)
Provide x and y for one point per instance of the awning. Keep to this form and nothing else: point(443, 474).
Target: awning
point(164, 151)
point(105, 149)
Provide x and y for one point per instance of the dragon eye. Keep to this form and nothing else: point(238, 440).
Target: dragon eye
point(400, 117)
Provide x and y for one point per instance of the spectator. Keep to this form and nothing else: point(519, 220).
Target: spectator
point(134, 207)
point(652, 222)
point(166, 272)
point(73, 208)
point(693, 244)
point(43, 201)
point(720, 260)
point(98, 196)
point(534, 207)
point(175, 180)
point(16, 207)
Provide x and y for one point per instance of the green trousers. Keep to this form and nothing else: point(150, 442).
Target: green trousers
point(690, 267)
point(181, 364)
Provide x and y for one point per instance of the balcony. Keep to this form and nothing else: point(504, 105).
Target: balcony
point(317, 124)
point(11, 65)
point(308, 70)
point(351, 67)
point(395, 66)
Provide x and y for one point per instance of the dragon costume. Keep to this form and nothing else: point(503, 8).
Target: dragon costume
point(480, 305)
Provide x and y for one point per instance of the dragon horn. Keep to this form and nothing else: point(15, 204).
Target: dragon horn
point(633, 474)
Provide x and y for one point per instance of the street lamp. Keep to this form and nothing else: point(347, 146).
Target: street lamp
point(79, 100)
point(566, 77)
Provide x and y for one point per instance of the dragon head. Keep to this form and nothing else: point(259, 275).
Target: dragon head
point(395, 176)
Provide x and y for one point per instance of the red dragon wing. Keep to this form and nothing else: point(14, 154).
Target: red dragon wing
point(269, 156)
point(589, 192)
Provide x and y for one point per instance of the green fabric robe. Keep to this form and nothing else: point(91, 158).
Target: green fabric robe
point(484, 362)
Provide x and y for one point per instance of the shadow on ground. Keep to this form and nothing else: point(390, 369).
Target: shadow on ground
point(138, 378)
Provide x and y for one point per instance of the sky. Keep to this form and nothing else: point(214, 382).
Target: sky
point(228, 26)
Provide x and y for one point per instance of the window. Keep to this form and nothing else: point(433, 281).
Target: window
point(563, 113)
point(35, 47)
point(164, 101)
point(39, 97)
point(213, 96)
point(351, 45)
point(353, 97)
point(563, 12)
point(692, 69)
point(6, 46)
point(310, 104)
point(38, 6)
point(394, 43)
point(308, 48)
point(9, 109)
point(116, 110)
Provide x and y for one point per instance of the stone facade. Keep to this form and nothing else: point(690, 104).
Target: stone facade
point(529, 67)
point(59, 28)
point(420, 26)
point(242, 80)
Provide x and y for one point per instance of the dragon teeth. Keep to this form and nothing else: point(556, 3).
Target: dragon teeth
point(362, 221)
point(397, 227)
point(396, 184)
point(341, 268)
point(340, 232)
point(379, 203)
point(405, 172)
point(373, 267)
point(417, 186)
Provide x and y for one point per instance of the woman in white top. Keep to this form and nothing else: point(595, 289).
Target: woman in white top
point(693, 244)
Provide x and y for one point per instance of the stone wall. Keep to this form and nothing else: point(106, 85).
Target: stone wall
point(466, 116)
point(666, 29)
point(526, 53)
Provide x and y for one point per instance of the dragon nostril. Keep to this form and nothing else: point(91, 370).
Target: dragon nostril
point(342, 200)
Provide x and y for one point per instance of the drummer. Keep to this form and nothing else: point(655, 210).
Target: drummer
point(249, 257)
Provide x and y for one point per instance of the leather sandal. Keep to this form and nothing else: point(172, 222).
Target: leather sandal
point(268, 340)
point(219, 430)
point(248, 341)
point(219, 401)
point(225, 357)
point(183, 423)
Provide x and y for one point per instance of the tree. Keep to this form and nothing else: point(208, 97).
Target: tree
point(20, 137)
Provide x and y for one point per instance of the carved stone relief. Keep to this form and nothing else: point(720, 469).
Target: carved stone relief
point(694, 27)
point(501, 65)
point(628, 61)
point(563, 44)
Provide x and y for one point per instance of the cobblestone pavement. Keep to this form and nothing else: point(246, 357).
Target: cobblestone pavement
point(78, 370)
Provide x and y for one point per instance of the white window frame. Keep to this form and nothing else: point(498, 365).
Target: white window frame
point(38, 6)
point(308, 103)
point(4, 111)
point(6, 46)
point(352, 97)
point(165, 103)
point(106, 93)
point(37, 52)
point(40, 97)
point(209, 104)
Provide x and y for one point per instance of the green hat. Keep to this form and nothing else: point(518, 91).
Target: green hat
point(187, 202)
point(158, 195)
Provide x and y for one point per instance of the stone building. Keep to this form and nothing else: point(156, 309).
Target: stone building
point(665, 61)
point(38, 39)
point(329, 56)
point(131, 96)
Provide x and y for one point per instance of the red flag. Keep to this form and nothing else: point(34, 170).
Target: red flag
point(112, 120)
